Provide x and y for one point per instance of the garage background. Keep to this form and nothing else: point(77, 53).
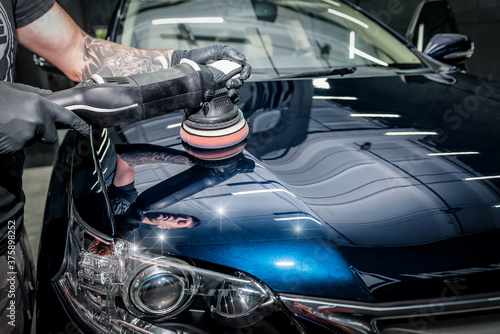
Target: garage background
point(478, 19)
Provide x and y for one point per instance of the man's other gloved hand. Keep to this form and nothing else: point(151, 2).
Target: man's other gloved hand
point(25, 116)
point(210, 54)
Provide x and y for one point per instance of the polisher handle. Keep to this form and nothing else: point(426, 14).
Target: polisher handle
point(103, 102)
point(112, 101)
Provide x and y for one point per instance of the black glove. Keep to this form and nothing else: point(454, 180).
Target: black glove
point(25, 116)
point(210, 54)
point(220, 75)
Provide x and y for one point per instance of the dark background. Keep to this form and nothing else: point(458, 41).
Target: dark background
point(479, 19)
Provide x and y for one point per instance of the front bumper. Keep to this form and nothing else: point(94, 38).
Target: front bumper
point(448, 314)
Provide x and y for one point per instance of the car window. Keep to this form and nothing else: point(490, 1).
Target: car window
point(278, 37)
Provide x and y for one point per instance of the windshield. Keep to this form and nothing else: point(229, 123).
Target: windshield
point(279, 37)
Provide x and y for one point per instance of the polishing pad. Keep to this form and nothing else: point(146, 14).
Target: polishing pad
point(216, 138)
point(214, 155)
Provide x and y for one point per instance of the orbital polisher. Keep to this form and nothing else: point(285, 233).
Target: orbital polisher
point(213, 127)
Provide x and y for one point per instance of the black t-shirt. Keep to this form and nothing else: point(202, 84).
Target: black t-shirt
point(13, 15)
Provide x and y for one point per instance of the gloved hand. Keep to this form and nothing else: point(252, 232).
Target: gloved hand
point(210, 54)
point(215, 76)
point(25, 116)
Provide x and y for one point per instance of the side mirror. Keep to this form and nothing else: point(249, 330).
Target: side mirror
point(452, 49)
point(430, 17)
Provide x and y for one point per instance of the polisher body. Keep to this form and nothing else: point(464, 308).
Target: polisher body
point(212, 120)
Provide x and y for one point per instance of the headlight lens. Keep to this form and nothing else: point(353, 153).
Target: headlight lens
point(113, 287)
point(158, 294)
point(237, 300)
point(159, 291)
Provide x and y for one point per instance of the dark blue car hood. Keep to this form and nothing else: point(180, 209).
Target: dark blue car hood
point(374, 188)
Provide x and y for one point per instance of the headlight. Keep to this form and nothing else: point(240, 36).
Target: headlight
point(111, 286)
point(238, 300)
point(161, 290)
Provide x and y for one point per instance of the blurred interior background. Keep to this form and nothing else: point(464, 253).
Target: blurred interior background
point(478, 19)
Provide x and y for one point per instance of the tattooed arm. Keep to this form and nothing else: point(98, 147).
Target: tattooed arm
point(138, 154)
point(57, 38)
point(143, 154)
point(111, 59)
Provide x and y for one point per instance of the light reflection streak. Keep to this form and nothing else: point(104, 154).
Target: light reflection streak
point(321, 83)
point(482, 178)
point(420, 40)
point(353, 51)
point(173, 126)
point(285, 263)
point(377, 115)
point(298, 218)
point(104, 138)
point(411, 133)
point(188, 20)
point(346, 98)
point(253, 192)
point(451, 153)
point(347, 17)
point(332, 2)
point(367, 56)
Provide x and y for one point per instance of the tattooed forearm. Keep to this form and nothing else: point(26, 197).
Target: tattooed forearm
point(111, 59)
point(141, 158)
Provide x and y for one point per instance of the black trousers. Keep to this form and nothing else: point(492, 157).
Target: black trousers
point(17, 287)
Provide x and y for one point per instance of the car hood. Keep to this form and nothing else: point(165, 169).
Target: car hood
point(374, 188)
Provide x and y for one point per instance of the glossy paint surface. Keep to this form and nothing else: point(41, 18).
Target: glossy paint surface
point(371, 187)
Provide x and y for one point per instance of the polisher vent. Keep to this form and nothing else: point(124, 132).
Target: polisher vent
point(221, 104)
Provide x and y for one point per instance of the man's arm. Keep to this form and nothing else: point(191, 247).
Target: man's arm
point(110, 59)
point(57, 38)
